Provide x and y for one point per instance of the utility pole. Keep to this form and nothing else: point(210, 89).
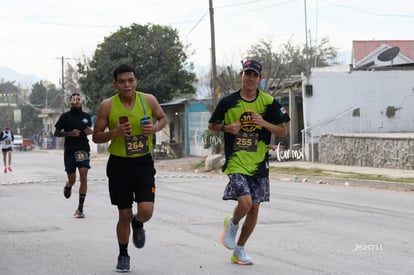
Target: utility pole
point(214, 84)
point(63, 81)
point(307, 45)
point(63, 84)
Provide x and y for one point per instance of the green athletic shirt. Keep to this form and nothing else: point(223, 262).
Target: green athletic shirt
point(247, 153)
point(118, 145)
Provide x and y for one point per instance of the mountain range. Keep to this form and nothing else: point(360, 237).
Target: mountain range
point(22, 80)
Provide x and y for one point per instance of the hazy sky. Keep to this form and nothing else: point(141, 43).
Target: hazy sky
point(35, 34)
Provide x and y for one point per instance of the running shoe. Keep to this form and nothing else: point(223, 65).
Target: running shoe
point(67, 191)
point(138, 234)
point(78, 214)
point(239, 256)
point(5, 170)
point(10, 170)
point(123, 264)
point(228, 236)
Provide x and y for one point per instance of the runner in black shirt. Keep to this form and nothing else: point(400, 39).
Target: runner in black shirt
point(74, 126)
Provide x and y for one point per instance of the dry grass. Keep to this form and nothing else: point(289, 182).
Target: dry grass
point(314, 172)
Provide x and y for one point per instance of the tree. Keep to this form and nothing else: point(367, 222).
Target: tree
point(71, 80)
point(14, 98)
point(290, 61)
point(8, 99)
point(155, 51)
point(278, 66)
point(227, 78)
point(44, 95)
point(72, 76)
point(31, 123)
point(324, 54)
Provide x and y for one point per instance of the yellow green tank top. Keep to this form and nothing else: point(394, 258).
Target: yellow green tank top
point(136, 145)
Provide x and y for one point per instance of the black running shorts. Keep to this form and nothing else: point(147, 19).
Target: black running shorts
point(131, 179)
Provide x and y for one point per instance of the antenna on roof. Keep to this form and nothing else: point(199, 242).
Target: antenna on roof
point(389, 54)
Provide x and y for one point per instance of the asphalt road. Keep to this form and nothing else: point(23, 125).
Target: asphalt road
point(305, 229)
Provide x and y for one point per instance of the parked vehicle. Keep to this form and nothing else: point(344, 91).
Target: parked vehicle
point(18, 142)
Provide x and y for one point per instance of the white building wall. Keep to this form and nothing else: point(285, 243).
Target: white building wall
point(385, 99)
point(198, 124)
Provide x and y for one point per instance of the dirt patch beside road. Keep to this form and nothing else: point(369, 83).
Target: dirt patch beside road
point(188, 164)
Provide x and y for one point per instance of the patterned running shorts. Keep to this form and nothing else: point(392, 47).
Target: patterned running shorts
point(239, 185)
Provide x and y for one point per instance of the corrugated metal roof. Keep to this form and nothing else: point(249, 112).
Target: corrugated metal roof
point(175, 102)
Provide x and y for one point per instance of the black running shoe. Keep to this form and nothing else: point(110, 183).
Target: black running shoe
point(123, 264)
point(67, 191)
point(138, 234)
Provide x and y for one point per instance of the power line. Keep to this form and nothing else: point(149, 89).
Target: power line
point(369, 12)
point(238, 4)
point(235, 14)
point(256, 9)
point(195, 26)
